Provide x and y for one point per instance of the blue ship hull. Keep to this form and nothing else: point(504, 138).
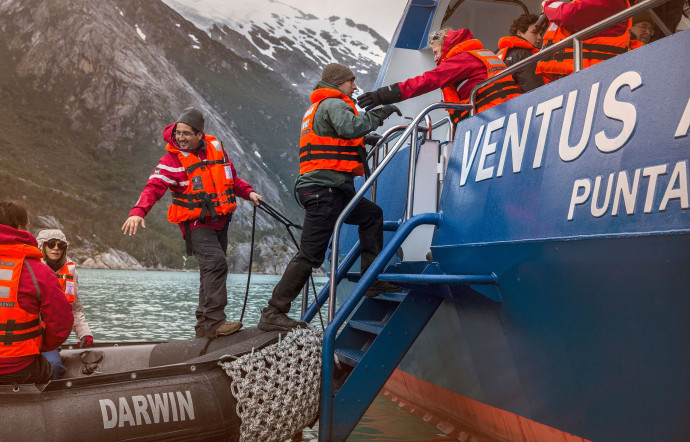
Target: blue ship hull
point(575, 196)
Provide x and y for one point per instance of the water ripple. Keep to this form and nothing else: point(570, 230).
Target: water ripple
point(127, 305)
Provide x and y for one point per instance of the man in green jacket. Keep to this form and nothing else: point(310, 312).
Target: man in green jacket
point(332, 153)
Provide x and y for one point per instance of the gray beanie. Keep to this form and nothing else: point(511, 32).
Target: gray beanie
point(47, 235)
point(336, 74)
point(193, 117)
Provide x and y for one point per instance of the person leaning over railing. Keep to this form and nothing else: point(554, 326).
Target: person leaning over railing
point(569, 18)
point(35, 315)
point(462, 62)
point(524, 40)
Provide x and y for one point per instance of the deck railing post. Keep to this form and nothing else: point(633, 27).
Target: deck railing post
point(577, 55)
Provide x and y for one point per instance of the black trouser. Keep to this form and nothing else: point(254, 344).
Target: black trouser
point(209, 248)
point(323, 206)
point(38, 372)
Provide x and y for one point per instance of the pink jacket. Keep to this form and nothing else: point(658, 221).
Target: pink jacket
point(580, 14)
point(463, 70)
point(55, 310)
point(169, 174)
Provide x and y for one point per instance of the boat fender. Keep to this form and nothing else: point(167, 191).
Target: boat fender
point(90, 360)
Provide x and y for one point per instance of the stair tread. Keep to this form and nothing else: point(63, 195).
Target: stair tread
point(392, 297)
point(440, 279)
point(367, 325)
point(349, 356)
point(369, 322)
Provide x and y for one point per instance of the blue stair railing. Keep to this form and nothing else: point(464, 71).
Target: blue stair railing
point(345, 266)
point(377, 333)
point(337, 427)
point(326, 426)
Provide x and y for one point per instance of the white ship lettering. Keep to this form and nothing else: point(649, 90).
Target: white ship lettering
point(139, 409)
point(627, 189)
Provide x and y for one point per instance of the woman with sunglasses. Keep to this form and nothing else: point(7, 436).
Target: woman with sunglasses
point(53, 244)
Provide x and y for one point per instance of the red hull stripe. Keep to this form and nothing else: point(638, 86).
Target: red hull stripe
point(465, 419)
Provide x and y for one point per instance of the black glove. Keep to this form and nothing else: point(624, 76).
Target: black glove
point(383, 95)
point(371, 138)
point(390, 109)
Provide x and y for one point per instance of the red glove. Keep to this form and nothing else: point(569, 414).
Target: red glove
point(85, 341)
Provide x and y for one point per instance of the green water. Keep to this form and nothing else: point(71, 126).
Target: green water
point(124, 305)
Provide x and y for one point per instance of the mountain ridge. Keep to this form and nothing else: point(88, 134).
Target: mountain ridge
point(92, 85)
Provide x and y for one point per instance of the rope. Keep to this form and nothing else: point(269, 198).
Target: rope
point(251, 260)
point(263, 205)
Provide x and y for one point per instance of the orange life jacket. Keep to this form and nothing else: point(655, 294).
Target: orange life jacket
point(491, 94)
point(210, 188)
point(634, 44)
point(594, 50)
point(321, 152)
point(511, 42)
point(21, 333)
point(66, 279)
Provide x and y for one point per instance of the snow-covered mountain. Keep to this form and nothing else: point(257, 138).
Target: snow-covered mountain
point(89, 86)
point(293, 43)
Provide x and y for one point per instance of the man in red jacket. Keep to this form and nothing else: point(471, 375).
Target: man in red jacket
point(30, 295)
point(203, 183)
point(462, 63)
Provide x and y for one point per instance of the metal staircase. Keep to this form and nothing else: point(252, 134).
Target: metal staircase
point(369, 348)
point(376, 333)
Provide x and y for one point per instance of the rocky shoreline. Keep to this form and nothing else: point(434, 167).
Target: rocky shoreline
point(239, 262)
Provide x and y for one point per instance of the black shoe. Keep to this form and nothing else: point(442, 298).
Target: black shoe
point(276, 321)
point(378, 287)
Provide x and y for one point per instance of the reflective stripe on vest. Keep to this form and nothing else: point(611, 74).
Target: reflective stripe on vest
point(322, 152)
point(20, 331)
point(210, 189)
point(490, 95)
point(66, 279)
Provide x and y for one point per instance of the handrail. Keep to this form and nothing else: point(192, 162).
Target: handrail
point(328, 346)
point(436, 125)
point(384, 139)
point(345, 265)
point(374, 152)
point(358, 196)
point(392, 133)
point(576, 39)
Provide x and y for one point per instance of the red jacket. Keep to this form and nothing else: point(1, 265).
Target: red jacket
point(169, 174)
point(580, 14)
point(451, 71)
point(55, 310)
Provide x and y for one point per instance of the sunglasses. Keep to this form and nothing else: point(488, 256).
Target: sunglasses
point(56, 242)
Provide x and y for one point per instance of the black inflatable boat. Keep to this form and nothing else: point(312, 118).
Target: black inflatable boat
point(134, 391)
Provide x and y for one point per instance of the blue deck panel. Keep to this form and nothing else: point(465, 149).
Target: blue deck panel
point(593, 335)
